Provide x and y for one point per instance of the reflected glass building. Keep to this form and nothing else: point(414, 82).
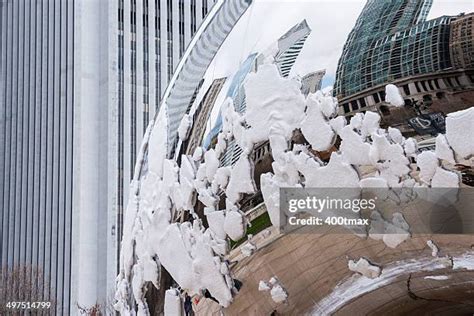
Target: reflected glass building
point(429, 60)
point(360, 63)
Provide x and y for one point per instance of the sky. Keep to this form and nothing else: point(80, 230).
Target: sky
point(330, 21)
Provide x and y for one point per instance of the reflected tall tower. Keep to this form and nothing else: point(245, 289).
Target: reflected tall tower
point(378, 19)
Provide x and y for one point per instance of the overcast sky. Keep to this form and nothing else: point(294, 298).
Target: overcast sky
point(330, 21)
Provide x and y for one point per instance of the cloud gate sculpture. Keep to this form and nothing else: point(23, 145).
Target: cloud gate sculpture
point(241, 123)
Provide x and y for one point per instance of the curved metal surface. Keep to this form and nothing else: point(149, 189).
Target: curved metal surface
point(198, 56)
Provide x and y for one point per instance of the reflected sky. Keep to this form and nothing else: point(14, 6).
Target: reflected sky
point(330, 21)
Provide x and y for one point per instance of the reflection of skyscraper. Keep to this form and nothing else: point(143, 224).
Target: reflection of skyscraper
point(201, 116)
point(79, 82)
point(290, 46)
point(462, 41)
point(378, 19)
point(206, 42)
point(311, 82)
point(429, 60)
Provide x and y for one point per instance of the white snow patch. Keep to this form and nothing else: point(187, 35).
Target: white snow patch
point(222, 176)
point(172, 303)
point(460, 132)
point(364, 267)
point(216, 221)
point(393, 96)
point(158, 144)
point(370, 124)
point(443, 151)
point(263, 286)
point(410, 146)
point(338, 123)
point(466, 261)
point(353, 148)
point(315, 127)
point(395, 135)
point(234, 225)
point(185, 127)
point(268, 98)
point(273, 280)
point(358, 285)
point(336, 174)
point(445, 179)
point(391, 233)
point(198, 154)
point(434, 248)
point(212, 164)
point(437, 277)
point(271, 195)
point(428, 163)
point(241, 179)
point(248, 249)
point(278, 294)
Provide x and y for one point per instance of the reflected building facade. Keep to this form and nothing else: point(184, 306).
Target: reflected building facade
point(201, 116)
point(312, 82)
point(462, 41)
point(392, 42)
point(377, 20)
point(290, 46)
point(288, 49)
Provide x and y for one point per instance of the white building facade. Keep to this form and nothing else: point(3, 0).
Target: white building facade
point(79, 82)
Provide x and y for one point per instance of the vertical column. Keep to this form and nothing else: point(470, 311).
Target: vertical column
point(88, 161)
point(152, 71)
point(112, 146)
point(50, 107)
point(14, 215)
point(198, 13)
point(139, 80)
point(43, 130)
point(70, 37)
point(187, 23)
point(56, 150)
point(4, 17)
point(22, 132)
point(127, 99)
point(175, 18)
point(62, 148)
point(164, 45)
point(37, 18)
point(29, 141)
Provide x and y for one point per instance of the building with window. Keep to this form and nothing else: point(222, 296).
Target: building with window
point(79, 83)
point(462, 41)
point(201, 116)
point(394, 43)
point(312, 82)
point(288, 49)
point(37, 144)
point(377, 20)
point(290, 46)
